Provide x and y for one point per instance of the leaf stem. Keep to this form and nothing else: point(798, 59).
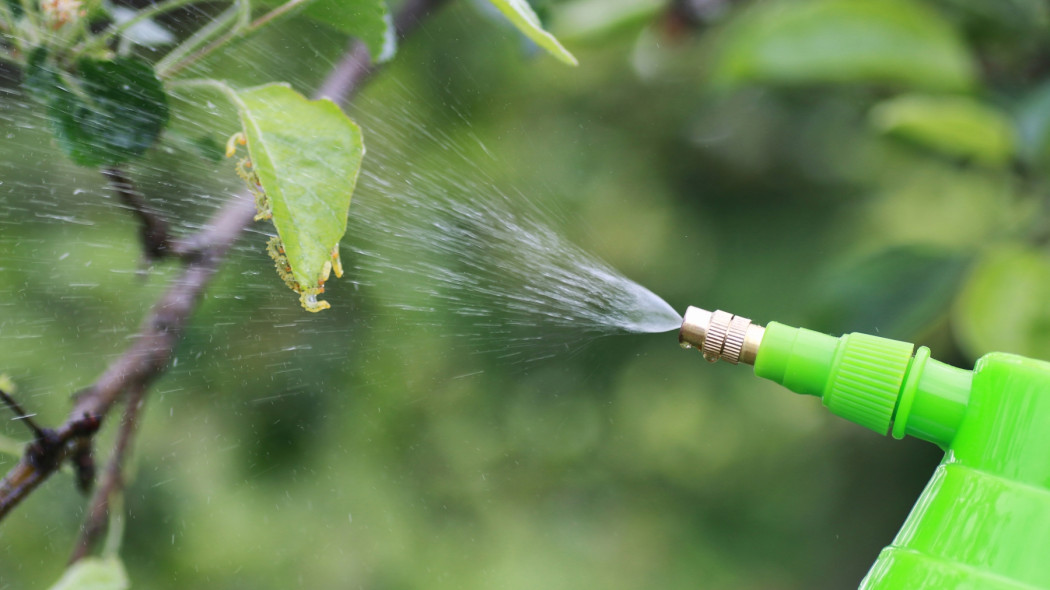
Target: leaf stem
point(239, 13)
point(281, 10)
point(115, 530)
point(235, 33)
point(211, 84)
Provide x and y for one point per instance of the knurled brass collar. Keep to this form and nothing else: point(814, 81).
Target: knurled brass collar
point(715, 337)
point(721, 335)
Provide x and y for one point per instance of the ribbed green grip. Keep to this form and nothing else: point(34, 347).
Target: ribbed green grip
point(866, 379)
point(858, 376)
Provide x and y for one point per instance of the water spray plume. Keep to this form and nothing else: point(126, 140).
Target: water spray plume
point(443, 236)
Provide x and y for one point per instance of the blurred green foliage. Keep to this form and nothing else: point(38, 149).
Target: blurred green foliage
point(112, 113)
point(843, 41)
point(732, 157)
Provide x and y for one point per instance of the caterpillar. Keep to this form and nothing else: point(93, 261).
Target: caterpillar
point(274, 247)
point(250, 178)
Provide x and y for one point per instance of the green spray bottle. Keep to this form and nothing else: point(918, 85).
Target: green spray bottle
point(983, 521)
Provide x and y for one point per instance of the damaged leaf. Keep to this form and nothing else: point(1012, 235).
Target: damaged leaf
point(305, 156)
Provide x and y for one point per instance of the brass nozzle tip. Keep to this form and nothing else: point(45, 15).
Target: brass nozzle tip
point(721, 335)
point(694, 328)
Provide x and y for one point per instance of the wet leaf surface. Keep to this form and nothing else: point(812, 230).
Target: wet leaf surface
point(524, 18)
point(368, 20)
point(307, 155)
point(590, 20)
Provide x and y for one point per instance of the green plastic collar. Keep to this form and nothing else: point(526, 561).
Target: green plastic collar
point(869, 375)
point(869, 380)
point(858, 376)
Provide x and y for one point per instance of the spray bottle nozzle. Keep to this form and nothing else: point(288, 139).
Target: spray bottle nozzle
point(873, 381)
point(721, 335)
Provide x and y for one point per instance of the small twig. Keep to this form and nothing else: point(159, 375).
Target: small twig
point(354, 66)
point(49, 446)
point(237, 16)
point(230, 35)
point(274, 14)
point(22, 415)
point(153, 230)
point(112, 481)
point(43, 457)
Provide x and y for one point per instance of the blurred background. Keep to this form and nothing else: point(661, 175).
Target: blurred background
point(841, 165)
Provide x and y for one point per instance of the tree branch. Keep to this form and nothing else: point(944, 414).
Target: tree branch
point(45, 454)
point(153, 230)
point(347, 76)
point(21, 414)
point(150, 353)
point(112, 478)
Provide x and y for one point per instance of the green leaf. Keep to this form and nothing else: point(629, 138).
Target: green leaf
point(307, 154)
point(524, 18)
point(593, 19)
point(368, 20)
point(842, 41)
point(953, 125)
point(897, 292)
point(94, 573)
point(110, 112)
point(123, 114)
point(1005, 305)
point(1033, 125)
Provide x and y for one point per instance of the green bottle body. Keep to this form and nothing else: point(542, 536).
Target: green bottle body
point(983, 521)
